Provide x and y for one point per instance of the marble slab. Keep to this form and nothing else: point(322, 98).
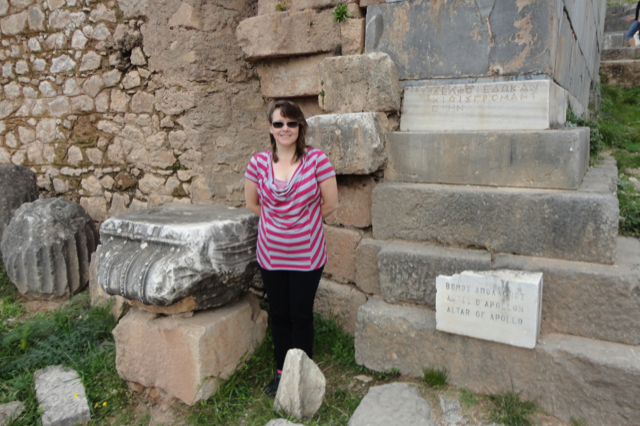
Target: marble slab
point(521, 105)
point(501, 306)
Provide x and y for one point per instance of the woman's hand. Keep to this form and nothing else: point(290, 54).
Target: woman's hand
point(251, 196)
point(329, 192)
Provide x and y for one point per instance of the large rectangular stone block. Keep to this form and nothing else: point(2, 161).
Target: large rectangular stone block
point(624, 73)
point(290, 77)
point(574, 225)
point(527, 159)
point(354, 142)
point(354, 197)
point(288, 34)
point(186, 357)
point(359, 83)
point(518, 105)
point(367, 271)
point(269, 6)
point(568, 376)
point(341, 247)
point(339, 302)
point(408, 271)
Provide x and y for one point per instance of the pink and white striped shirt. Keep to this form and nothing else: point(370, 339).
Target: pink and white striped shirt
point(290, 233)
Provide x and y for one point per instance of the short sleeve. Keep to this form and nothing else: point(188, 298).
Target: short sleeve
point(252, 170)
point(324, 169)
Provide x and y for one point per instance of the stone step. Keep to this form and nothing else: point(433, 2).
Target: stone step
point(616, 17)
point(573, 292)
point(624, 72)
point(529, 159)
point(577, 225)
point(620, 53)
point(613, 40)
point(568, 376)
point(517, 105)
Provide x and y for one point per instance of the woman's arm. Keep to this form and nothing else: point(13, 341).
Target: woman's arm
point(329, 192)
point(251, 196)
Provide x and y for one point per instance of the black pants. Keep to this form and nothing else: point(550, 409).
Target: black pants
point(291, 295)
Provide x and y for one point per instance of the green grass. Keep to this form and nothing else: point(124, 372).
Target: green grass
point(468, 398)
point(436, 378)
point(578, 422)
point(510, 410)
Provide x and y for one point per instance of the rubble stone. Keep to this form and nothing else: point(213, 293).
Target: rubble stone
point(61, 396)
point(302, 386)
point(14, 24)
point(90, 61)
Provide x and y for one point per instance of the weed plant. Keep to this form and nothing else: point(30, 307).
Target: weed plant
point(578, 422)
point(508, 409)
point(468, 398)
point(76, 336)
point(340, 13)
point(436, 378)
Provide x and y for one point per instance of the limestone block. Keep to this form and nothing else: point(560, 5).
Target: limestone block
point(574, 225)
point(56, 390)
point(302, 386)
point(352, 34)
point(132, 79)
point(47, 247)
point(408, 271)
point(7, 108)
point(395, 403)
point(186, 16)
point(568, 376)
point(119, 101)
point(553, 159)
point(501, 306)
point(35, 17)
point(10, 412)
point(101, 13)
point(354, 143)
point(341, 248)
point(111, 78)
point(367, 271)
point(133, 8)
point(17, 186)
point(186, 357)
point(173, 102)
point(268, 36)
point(96, 207)
point(14, 24)
point(290, 77)
point(354, 198)
point(142, 102)
point(137, 57)
point(93, 85)
point(90, 61)
point(339, 302)
point(203, 254)
point(82, 103)
point(59, 106)
point(359, 83)
point(62, 64)
point(624, 73)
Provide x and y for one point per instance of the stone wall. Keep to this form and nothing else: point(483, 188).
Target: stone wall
point(129, 104)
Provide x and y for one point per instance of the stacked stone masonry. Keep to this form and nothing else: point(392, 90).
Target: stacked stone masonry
point(620, 64)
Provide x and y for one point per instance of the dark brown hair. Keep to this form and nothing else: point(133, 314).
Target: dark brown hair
point(289, 110)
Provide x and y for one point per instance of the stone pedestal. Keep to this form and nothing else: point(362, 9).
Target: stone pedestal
point(192, 256)
point(186, 357)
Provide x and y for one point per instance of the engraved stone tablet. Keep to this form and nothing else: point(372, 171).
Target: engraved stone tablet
point(517, 105)
point(502, 306)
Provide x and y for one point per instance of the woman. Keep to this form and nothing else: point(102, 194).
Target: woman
point(633, 29)
point(292, 187)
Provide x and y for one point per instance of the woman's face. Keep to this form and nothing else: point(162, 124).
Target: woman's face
point(284, 136)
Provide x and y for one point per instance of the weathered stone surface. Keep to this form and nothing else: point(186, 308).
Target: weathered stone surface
point(131, 80)
point(574, 225)
point(352, 33)
point(61, 64)
point(501, 306)
point(367, 271)
point(339, 302)
point(621, 53)
point(101, 13)
point(531, 159)
point(408, 271)
point(624, 73)
point(269, 6)
point(173, 102)
point(269, 36)
point(186, 357)
point(119, 305)
point(359, 83)
point(137, 57)
point(451, 410)
point(568, 376)
point(205, 253)
point(354, 142)
point(133, 8)
point(290, 77)
point(142, 102)
point(93, 85)
point(302, 386)
point(341, 247)
point(282, 422)
point(47, 248)
point(61, 396)
point(186, 16)
point(14, 24)
point(519, 105)
point(111, 78)
point(17, 186)
point(354, 195)
point(35, 18)
point(395, 403)
point(90, 61)
point(10, 412)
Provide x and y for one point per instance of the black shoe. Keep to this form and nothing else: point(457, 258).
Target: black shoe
point(272, 387)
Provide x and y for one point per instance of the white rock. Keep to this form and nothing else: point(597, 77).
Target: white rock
point(102, 102)
point(26, 135)
point(393, 404)
point(111, 78)
point(4, 6)
point(56, 390)
point(90, 61)
point(7, 70)
point(74, 156)
point(131, 80)
point(137, 57)
point(7, 108)
point(14, 24)
point(119, 101)
point(12, 90)
point(302, 386)
point(46, 130)
point(78, 41)
point(39, 65)
point(34, 45)
point(36, 18)
point(11, 141)
point(101, 13)
point(100, 32)
point(82, 103)
point(47, 89)
point(77, 19)
point(59, 107)
point(59, 19)
point(93, 85)
point(22, 67)
point(29, 92)
point(61, 64)
point(71, 87)
point(55, 4)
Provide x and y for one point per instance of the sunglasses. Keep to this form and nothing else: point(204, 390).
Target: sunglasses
point(280, 124)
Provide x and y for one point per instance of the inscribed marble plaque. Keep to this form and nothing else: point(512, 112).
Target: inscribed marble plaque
point(502, 306)
point(517, 105)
